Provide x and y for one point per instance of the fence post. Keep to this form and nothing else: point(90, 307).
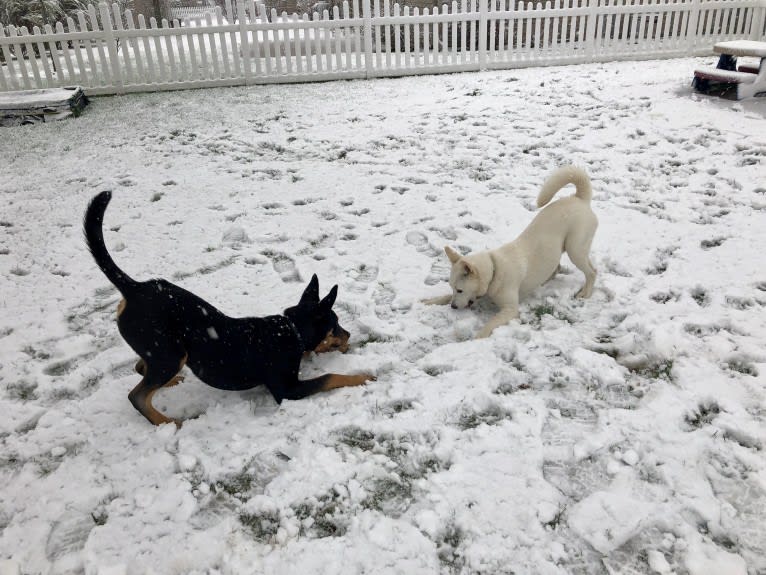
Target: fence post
point(367, 37)
point(483, 14)
point(111, 46)
point(691, 30)
point(591, 29)
point(244, 41)
point(758, 22)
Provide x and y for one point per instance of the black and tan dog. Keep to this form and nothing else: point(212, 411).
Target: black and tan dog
point(169, 327)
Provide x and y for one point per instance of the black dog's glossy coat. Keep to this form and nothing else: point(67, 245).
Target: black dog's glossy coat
point(169, 327)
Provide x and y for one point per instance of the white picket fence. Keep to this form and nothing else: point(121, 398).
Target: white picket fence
point(109, 52)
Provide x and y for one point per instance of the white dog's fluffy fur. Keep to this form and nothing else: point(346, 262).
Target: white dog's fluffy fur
point(513, 270)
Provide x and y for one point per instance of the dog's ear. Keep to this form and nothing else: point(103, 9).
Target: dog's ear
point(452, 254)
point(468, 268)
point(329, 299)
point(311, 293)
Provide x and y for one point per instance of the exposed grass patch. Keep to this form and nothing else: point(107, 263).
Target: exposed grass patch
point(704, 414)
point(700, 295)
point(354, 436)
point(374, 338)
point(665, 297)
point(651, 368)
point(22, 391)
point(448, 546)
point(490, 415)
point(391, 496)
point(712, 243)
point(262, 526)
point(396, 407)
point(739, 303)
point(326, 516)
point(742, 366)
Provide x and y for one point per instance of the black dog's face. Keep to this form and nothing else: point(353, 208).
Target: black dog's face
point(317, 322)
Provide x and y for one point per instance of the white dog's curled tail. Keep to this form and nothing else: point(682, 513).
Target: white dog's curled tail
point(560, 178)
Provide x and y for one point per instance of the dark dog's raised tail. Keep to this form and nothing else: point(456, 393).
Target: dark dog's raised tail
point(94, 236)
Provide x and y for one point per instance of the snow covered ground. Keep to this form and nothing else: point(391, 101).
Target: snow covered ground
point(622, 434)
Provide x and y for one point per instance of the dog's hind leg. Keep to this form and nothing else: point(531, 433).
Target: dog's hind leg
point(582, 261)
point(578, 250)
point(157, 374)
point(141, 369)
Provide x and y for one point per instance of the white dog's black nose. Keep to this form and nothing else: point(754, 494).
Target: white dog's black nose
point(454, 305)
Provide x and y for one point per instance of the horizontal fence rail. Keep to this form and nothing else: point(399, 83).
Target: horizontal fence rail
point(107, 51)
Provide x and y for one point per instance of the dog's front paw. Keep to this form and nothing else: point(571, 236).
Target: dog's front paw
point(441, 300)
point(484, 333)
point(363, 378)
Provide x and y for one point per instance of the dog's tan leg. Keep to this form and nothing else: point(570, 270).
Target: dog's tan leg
point(441, 300)
point(334, 380)
point(155, 377)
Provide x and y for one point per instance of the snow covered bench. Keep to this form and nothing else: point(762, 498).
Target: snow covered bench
point(727, 79)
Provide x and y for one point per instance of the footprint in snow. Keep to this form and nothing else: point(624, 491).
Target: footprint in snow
point(68, 534)
point(383, 296)
point(439, 272)
point(362, 275)
point(420, 242)
point(284, 266)
point(577, 479)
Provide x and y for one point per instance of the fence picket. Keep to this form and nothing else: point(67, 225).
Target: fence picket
point(25, 35)
point(203, 66)
point(315, 41)
point(444, 49)
point(184, 68)
point(222, 42)
point(58, 68)
point(267, 34)
point(233, 39)
point(357, 32)
point(150, 72)
point(296, 46)
point(216, 72)
point(307, 46)
point(407, 38)
point(50, 75)
point(175, 65)
point(348, 32)
point(158, 53)
point(70, 77)
point(13, 83)
point(326, 32)
point(103, 62)
point(141, 74)
point(119, 46)
point(3, 82)
point(336, 35)
point(377, 33)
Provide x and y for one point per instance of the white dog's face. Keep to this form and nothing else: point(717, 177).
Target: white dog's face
point(463, 279)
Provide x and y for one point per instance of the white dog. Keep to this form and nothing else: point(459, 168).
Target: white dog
point(514, 270)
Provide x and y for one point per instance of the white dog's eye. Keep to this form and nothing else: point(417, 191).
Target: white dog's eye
point(459, 291)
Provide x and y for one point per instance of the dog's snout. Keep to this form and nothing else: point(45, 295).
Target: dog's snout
point(341, 333)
